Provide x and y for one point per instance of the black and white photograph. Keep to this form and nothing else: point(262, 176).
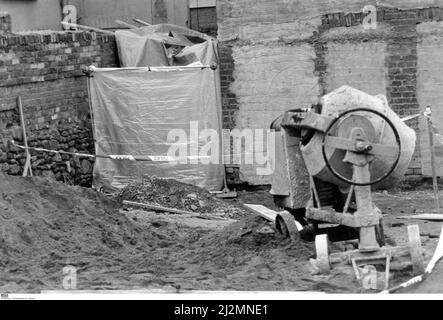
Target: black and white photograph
point(222, 150)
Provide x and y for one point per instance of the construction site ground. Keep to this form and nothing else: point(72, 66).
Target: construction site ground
point(46, 226)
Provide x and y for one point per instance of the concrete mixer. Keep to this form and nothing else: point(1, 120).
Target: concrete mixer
point(328, 159)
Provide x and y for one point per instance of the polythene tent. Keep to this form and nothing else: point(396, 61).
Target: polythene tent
point(160, 102)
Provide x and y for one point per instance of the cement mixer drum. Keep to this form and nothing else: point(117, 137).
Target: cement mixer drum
point(377, 122)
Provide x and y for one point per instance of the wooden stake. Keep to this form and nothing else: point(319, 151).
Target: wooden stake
point(416, 250)
point(27, 168)
point(434, 171)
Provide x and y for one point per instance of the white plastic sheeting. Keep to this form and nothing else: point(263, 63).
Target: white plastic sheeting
point(134, 111)
point(148, 46)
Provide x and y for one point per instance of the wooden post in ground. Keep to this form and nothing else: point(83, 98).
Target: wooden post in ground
point(434, 170)
point(27, 168)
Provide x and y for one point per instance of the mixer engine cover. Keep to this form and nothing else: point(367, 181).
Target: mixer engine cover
point(376, 129)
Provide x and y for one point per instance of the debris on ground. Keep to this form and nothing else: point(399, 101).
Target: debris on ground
point(176, 195)
point(46, 226)
point(242, 257)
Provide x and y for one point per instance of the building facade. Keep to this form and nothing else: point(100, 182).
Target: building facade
point(33, 14)
point(279, 55)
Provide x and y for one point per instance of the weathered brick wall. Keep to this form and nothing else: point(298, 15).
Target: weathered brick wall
point(324, 45)
point(45, 70)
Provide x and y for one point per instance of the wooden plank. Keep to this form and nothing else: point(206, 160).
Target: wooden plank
point(269, 214)
point(157, 208)
point(346, 257)
point(428, 216)
point(262, 211)
point(321, 247)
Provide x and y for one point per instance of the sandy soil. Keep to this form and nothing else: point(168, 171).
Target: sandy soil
point(45, 226)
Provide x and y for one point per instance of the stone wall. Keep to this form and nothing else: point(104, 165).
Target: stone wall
point(45, 70)
point(279, 55)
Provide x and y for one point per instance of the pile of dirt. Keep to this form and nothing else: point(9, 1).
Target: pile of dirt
point(46, 226)
point(176, 195)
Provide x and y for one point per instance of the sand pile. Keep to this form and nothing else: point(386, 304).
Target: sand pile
point(46, 225)
point(177, 195)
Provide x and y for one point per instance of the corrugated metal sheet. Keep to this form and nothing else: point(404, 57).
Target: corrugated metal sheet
point(103, 13)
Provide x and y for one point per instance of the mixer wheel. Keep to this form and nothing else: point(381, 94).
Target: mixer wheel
point(373, 147)
point(285, 224)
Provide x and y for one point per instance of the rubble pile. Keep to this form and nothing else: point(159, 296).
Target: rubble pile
point(176, 195)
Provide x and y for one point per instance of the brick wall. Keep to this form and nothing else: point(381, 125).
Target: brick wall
point(45, 70)
point(384, 60)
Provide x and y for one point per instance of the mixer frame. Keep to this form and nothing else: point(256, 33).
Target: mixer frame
point(360, 152)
